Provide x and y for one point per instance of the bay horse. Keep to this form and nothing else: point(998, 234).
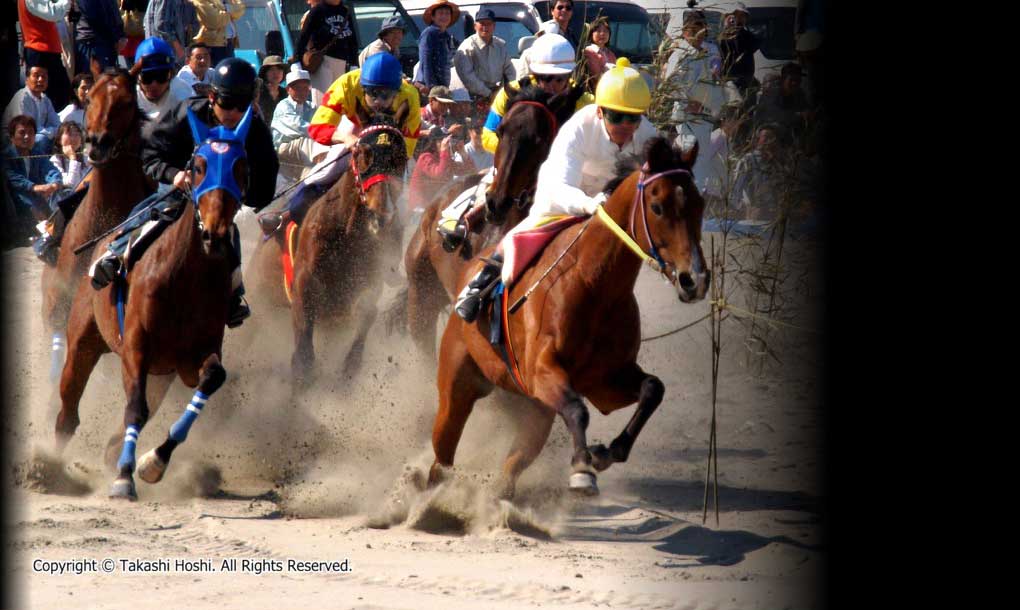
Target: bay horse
point(174, 311)
point(579, 333)
point(336, 270)
point(116, 184)
point(525, 135)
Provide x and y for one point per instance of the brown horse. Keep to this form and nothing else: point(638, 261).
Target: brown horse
point(336, 266)
point(579, 333)
point(117, 183)
point(525, 137)
point(174, 312)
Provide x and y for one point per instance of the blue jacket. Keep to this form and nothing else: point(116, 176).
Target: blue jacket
point(434, 50)
point(39, 171)
point(100, 19)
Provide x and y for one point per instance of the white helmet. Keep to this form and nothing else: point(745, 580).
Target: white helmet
point(551, 54)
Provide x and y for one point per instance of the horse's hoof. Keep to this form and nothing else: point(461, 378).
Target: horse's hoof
point(583, 483)
point(124, 488)
point(151, 468)
point(601, 458)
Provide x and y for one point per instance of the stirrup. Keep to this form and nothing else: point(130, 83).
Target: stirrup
point(47, 249)
point(239, 312)
point(270, 222)
point(105, 271)
point(452, 239)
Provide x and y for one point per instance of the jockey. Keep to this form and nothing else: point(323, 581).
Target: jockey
point(582, 159)
point(167, 151)
point(552, 61)
point(377, 88)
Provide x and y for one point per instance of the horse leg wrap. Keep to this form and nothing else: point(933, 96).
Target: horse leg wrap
point(179, 431)
point(57, 353)
point(127, 455)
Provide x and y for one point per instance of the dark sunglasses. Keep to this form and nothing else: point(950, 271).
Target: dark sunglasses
point(227, 102)
point(158, 76)
point(551, 78)
point(563, 8)
point(382, 93)
point(615, 118)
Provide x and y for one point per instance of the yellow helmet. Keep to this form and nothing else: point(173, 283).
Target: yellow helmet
point(623, 89)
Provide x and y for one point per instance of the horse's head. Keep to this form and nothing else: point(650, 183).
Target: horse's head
point(112, 116)
point(378, 162)
point(525, 136)
point(666, 216)
point(219, 177)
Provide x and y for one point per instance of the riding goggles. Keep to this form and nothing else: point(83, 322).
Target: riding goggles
point(554, 78)
point(615, 117)
point(380, 93)
point(158, 76)
point(233, 102)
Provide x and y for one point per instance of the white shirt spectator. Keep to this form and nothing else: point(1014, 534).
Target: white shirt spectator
point(183, 84)
point(71, 170)
point(73, 113)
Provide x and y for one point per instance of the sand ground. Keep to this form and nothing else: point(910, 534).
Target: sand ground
point(262, 479)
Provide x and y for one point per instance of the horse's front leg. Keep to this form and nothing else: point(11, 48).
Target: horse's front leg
point(153, 464)
point(623, 388)
point(136, 414)
point(366, 314)
point(552, 387)
point(303, 321)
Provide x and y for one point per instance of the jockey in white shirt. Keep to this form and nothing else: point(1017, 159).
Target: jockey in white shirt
point(582, 159)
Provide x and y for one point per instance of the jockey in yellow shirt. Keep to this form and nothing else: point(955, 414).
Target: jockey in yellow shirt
point(377, 88)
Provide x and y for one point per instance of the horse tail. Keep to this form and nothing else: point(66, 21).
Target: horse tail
point(395, 316)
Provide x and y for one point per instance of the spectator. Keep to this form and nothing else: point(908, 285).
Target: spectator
point(270, 91)
point(463, 108)
point(31, 100)
point(75, 111)
point(387, 40)
point(712, 168)
point(100, 34)
point(766, 182)
point(328, 30)
point(482, 60)
point(38, 19)
point(194, 78)
point(155, 98)
point(434, 113)
point(810, 57)
point(169, 20)
point(216, 26)
point(68, 158)
point(598, 55)
point(311, 4)
point(295, 148)
point(32, 178)
point(562, 11)
point(481, 158)
point(737, 46)
point(436, 45)
point(435, 168)
point(132, 13)
point(785, 105)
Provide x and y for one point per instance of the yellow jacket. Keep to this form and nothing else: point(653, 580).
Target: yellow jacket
point(340, 100)
point(213, 18)
point(499, 106)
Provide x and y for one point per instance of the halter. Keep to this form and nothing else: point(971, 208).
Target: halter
point(221, 148)
point(378, 175)
point(655, 260)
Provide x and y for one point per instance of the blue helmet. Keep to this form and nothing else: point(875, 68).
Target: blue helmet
point(382, 70)
point(155, 54)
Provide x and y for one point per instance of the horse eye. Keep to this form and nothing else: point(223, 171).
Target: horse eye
point(657, 209)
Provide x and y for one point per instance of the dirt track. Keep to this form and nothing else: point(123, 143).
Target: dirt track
point(263, 479)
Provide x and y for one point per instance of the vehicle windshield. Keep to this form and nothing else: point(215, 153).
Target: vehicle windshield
point(253, 25)
point(368, 18)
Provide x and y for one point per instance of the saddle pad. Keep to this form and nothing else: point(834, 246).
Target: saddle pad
point(520, 248)
point(290, 239)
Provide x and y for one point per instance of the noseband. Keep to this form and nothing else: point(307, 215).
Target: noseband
point(379, 175)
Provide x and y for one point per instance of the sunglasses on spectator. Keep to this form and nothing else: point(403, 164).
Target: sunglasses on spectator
point(229, 102)
point(563, 8)
point(158, 76)
point(551, 78)
point(380, 93)
point(615, 118)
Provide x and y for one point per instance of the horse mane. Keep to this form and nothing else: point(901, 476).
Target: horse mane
point(660, 154)
point(528, 94)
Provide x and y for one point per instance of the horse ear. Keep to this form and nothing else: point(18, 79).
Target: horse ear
point(690, 155)
point(658, 155)
point(134, 71)
point(241, 131)
point(199, 130)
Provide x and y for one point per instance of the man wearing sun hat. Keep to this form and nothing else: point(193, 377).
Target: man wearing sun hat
point(583, 156)
point(290, 124)
point(482, 61)
point(387, 40)
point(436, 45)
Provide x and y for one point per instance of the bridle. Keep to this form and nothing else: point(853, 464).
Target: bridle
point(377, 176)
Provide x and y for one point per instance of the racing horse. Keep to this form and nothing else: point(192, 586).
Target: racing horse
point(525, 137)
point(117, 183)
point(168, 315)
point(336, 267)
point(578, 334)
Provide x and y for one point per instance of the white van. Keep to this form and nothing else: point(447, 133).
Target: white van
point(773, 21)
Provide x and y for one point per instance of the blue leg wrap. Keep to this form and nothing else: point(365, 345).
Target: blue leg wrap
point(57, 355)
point(179, 431)
point(127, 456)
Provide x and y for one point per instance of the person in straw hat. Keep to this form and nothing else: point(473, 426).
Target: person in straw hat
point(436, 45)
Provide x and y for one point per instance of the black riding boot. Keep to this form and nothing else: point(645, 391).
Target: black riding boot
point(470, 300)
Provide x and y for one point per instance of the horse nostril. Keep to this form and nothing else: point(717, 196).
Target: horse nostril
point(206, 235)
point(686, 282)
